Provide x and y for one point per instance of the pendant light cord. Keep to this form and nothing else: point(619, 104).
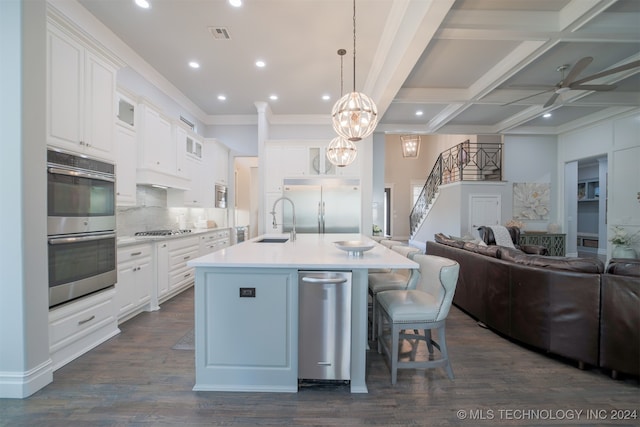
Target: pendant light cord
point(354, 45)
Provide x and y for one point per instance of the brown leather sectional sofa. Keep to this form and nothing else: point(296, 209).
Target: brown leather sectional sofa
point(552, 303)
point(620, 317)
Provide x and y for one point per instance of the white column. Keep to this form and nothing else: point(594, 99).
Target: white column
point(25, 365)
point(263, 135)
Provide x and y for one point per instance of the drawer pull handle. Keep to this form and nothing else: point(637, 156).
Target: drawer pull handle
point(187, 257)
point(187, 275)
point(136, 253)
point(82, 322)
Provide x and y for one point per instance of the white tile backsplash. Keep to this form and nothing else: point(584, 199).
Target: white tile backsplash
point(152, 213)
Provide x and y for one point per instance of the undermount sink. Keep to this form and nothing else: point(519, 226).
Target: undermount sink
point(273, 240)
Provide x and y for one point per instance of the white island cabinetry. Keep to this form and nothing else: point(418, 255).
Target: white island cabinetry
point(253, 287)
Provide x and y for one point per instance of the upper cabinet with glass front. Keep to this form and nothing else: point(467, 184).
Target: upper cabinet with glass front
point(81, 85)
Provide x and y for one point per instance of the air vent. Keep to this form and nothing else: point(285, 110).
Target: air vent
point(220, 33)
point(188, 123)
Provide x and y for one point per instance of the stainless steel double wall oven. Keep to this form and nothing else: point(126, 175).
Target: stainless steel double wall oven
point(81, 225)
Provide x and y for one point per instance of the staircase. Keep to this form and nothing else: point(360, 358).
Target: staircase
point(463, 162)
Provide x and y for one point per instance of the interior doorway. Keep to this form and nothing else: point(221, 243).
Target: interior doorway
point(591, 192)
point(386, 226)
point(245, 205)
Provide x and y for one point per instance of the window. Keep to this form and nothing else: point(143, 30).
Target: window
point(416, 189)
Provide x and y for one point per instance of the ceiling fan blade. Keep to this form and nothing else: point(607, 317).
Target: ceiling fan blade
point(551, 100)
point(599, 88)
point(630, 65)
point(576, 70)
point(527, 97)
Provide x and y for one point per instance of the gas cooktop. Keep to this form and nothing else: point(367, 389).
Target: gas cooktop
point(157, 233)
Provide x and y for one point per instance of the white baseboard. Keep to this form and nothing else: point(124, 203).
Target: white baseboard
point(18, 385)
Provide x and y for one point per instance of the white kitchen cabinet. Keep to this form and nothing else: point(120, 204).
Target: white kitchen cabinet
point(173, 275)
point(285, 160)
point(220, 164)
point(135, 278)
point(294, 161)
point(181, 251)
point(157, 150)
point(273, 174)
point(214, 241)
point(162, 274)
point(81, 86)
point(126, 158)
point(188, 146)
point(189, 142)
point(195, 195)
point(318, 162)
point(78, 326)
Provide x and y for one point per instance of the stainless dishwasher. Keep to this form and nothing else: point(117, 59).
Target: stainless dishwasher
point(324, 328)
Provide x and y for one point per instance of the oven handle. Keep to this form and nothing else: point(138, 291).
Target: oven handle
point(82, 238)
point(81, 174)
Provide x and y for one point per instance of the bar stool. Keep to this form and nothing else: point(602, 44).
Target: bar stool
point(424, 308)
point(393, 279)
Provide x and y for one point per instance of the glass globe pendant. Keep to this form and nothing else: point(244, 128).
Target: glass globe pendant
point(355, 116)
point(341, 152)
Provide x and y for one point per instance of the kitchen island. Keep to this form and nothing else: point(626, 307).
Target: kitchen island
point(246, 309)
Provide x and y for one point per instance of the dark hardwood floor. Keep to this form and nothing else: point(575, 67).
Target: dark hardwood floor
point(136, 378)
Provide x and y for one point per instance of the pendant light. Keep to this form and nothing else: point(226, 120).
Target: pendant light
point(341, 152)
point(410, 145)
point(355, 115)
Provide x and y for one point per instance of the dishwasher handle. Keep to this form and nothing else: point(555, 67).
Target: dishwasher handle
point(337, 280)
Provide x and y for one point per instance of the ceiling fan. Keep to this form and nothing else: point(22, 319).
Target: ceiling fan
point(570, 83)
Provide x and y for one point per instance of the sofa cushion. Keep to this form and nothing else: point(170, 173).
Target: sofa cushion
point(445, 240)
point(508, 254)
point(483, 249)
point(624, 267)
point(582, 265)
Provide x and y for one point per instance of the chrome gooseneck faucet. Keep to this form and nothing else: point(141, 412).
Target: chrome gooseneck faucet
point(293, 208)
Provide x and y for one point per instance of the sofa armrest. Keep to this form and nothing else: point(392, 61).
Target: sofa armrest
point(534, 249)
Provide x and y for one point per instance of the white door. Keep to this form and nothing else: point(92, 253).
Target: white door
point(483, 210)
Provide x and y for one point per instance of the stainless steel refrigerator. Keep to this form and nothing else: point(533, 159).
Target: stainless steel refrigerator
point(322, 205)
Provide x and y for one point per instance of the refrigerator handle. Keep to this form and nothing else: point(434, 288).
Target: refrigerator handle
point(323, 217)
point(319, 218)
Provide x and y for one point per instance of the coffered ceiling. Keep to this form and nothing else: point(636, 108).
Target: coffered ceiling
point(470, 66)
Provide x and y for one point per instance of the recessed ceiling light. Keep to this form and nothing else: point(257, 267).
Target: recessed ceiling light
point(260, 63)
point(143, 4)
point(326, 97)
point(222, 97)
point(546, 115)
point(419, 113)
point(273, 97)
point(235, 3)
point(194, 64)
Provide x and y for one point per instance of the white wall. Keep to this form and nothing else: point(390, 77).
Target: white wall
point(533, 159)
point(25, 365)
point(619, 140)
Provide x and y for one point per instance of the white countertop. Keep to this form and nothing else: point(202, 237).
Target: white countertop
point(134, 240)
point(309, 251)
